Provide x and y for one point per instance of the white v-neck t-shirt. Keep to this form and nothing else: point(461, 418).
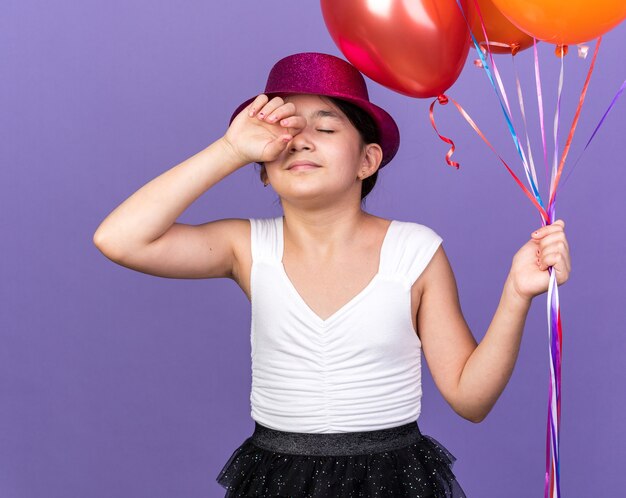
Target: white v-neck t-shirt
point(357, 370)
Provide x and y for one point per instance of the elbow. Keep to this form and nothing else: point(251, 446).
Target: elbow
point(475, 414)
point(476, 419)
point(106, 247)
point(98, 239)
point(471, 406)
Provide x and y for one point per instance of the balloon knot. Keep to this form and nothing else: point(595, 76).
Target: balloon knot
point(515, 47)
point(443, 100)
point(583, 50)
point(561, 50)
point(478, 63)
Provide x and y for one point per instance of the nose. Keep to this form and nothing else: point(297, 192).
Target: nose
point(301, 141)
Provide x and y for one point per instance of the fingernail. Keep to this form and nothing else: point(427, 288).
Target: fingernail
point(261, 115)
point(251, 113)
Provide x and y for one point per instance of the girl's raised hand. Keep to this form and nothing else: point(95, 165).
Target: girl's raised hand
point(261, 131)
point(547, 247)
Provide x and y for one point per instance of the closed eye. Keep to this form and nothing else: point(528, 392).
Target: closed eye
point(327, 131)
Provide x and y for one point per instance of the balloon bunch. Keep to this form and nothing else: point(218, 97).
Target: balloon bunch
point(419, 47)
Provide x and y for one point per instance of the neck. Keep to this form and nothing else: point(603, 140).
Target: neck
point(322, 229)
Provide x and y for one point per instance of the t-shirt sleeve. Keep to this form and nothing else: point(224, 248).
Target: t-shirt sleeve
point(265, 238)
point(421, 244)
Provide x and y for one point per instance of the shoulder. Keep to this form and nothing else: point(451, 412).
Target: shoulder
point(406, 225)
point(408, 249)
point(417, 233)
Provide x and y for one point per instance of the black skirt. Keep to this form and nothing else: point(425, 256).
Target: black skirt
point(397, 462)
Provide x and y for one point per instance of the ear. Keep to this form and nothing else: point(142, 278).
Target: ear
point(263, 174)
point(372, 157)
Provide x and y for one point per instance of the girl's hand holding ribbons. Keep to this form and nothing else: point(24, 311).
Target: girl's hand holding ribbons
point(261, 131)
point(547, 247)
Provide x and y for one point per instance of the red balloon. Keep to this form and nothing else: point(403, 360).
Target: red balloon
point(415, 47)
point(500, 30)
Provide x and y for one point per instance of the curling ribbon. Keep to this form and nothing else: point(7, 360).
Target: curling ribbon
point(555, 343)
point(520, 98)
point(552, 476)
point(557, 115)
point(443, 100)
point(555, 334)
point(540, 106)
point(552, 486)
point(500, 94)
point(617, 96)
point(542, 211)
point(581, 100)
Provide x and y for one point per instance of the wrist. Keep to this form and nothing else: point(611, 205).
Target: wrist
point(230, 155)
point(513, 295)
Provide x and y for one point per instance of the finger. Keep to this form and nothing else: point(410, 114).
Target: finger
point(270, 107)
point(543, 231)
point(278, 145)
point(257, 103)
point(292, 125)
point(558, 265)
point(556, 245)
point(296, 122)
point(557, 240)
point(562, 271)
point(283, 111)
point(555, 259)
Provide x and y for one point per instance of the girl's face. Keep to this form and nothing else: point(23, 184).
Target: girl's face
point(332, 146)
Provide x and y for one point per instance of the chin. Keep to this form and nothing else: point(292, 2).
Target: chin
point(315, 196)
point(301, 194)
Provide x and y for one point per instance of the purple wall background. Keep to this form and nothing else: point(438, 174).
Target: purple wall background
point(119, 384)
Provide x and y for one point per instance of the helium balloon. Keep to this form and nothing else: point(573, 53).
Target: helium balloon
point(504, 37)
point(415, 47)
point(564, 22)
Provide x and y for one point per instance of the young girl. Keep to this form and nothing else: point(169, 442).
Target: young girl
point(343, 302)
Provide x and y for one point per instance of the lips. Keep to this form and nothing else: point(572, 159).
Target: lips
point(300, 165)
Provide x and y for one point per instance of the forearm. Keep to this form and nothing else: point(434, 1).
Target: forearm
point(489, 368)
point(151, 210)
